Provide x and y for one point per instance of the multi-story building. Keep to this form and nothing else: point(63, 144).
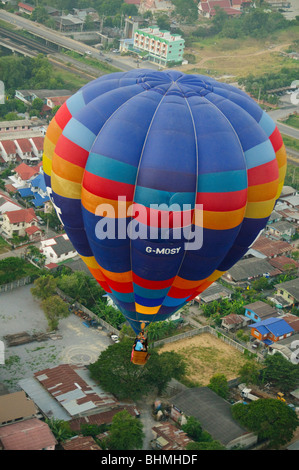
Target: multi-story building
point(161, 47)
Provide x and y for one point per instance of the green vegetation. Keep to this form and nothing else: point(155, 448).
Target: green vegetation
point(292, 121)
point(125, 432)
point(219, 385)
point(13, 268)
point(269, 418)
point(119, 376)
point(202, 439)
point(282, 373)
point(290, 142)
point(292, 176)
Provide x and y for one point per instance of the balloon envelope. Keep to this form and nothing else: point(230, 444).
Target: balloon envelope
point(162, 181)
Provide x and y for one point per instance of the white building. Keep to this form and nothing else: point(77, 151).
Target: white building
point(57, 249)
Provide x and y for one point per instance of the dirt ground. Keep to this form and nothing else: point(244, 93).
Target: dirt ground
point(207, 356)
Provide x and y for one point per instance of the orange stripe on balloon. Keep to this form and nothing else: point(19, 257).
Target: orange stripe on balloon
point(67, 170)
point(262, 192)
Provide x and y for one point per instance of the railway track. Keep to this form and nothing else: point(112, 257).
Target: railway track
point(30, 43)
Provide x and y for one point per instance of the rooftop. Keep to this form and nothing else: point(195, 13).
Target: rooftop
point(21, 215)
point(262, 309)
point(81, 443)
point(213, 412)
point(31, 434)
point(15, 406)
point(170, 437)
point(290, 286)
point(250, 268)
point(277, 326)
point(270, 247)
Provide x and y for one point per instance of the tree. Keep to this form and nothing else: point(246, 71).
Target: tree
point(54, 308)
point(44, 286)
point(269, 419)
point(281, 372)
point(249, 373)
point(118, 375)
point(193, 428)
point(126, 432)
point(61, 429)
point(218, 384)
point(212, 445)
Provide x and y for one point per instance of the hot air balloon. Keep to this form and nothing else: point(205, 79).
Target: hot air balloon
point(162, 181)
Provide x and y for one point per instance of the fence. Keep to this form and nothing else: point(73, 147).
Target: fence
point(13, 285)
point(199, 331)
point(84, 309)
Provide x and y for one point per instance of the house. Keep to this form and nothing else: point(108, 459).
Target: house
point(207, 8)
point(57, 249)
point(283, 263)
point(26, 8)
point(37, 146)
point(66, 392)
point(16, 407)
point(249, 269)
point(169, 437)
point(7, 204)
point(289, 291)
point(215, 291)
point(56, 101)
point(233, 322)
point(293, 321)
point(23, 174)
point(265, 247)
point(281, 229)
point(214, 415)
point(104, 417)
point(288, 191)
point(28, 96)
point(24, 149)
point(8, 151)
point(80, 443)
point(155, 6)
point(39, 190)
point(68, 23)
point(258, 311)
point(291, 201)
point(31, 434)
point(271, 330)
point(17, 222)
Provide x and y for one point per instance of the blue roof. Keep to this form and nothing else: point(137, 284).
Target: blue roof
point(25, 192)
point(39, 201)
point(277, 326)
point(39, 182)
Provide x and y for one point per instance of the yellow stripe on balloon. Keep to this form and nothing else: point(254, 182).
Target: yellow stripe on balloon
point(259, 210)
point(146, 310)
point(281, 156)
point(65, 188)
point(47, 165)
point(96, 205)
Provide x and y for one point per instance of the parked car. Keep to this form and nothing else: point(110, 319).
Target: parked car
point(115, 338)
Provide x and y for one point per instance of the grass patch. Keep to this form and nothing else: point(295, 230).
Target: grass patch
point(290, 142)
point(292, 121)
point(4, 246)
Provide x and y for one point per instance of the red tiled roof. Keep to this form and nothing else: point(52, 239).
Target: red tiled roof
point(22, 215)
point(176, 438)
point(58, 100)
point(51, 265)
point(38, 142)
point(9, 146)
point(31, 230)
point(10, 188)
point(25, 171)
point(25, 145)
point(133, 2)
point(26, 6)
point(81, 443)
point(31, 434)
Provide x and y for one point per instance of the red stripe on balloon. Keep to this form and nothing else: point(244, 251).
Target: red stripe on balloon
point(263, 173)
point(107, 188)
point(152, 284)
point(221, 202)
point(63, 116)
point(180, 293)
point(161, 219)
point(71, 152)
point(276, 139)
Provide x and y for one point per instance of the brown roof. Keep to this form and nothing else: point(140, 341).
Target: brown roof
point(25, 145)
point(71, 391)
point(81, 443)
point(281, 261)
point(292, 320)
point(172, 437)
point(31, 434)
point(10, 188)
point(105, 417)
point(16, 406)
point(233, 319)
point(21, 215)
point(33, 229)
point(270, 247)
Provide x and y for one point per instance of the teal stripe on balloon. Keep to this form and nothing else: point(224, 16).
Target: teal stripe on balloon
point(222, 182)
point(111, 169)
